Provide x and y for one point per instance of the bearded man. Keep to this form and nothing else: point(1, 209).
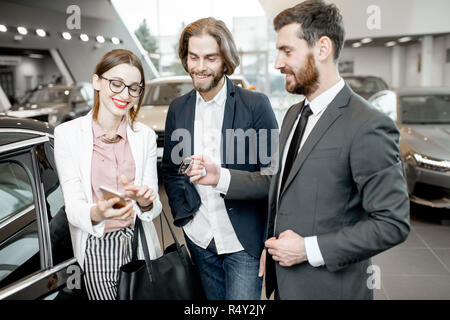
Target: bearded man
point(217, 118)
point(339, 196)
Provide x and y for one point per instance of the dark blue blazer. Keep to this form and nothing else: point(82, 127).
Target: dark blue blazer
point(244, 109)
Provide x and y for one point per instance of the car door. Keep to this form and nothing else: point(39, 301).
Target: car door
point(32, 266)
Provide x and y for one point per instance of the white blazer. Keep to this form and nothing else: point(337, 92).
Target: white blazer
point(73, 156)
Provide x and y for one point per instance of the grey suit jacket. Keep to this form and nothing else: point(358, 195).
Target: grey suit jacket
point(346, 187)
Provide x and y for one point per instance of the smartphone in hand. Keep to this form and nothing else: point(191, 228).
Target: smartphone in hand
point(108, 194)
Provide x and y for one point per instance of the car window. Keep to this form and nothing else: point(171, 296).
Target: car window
point(16, 193)
point(19, 241)
point(366, 85)
point(87, 91)
point(425, 109)
point(49, 95)
point(162, 94)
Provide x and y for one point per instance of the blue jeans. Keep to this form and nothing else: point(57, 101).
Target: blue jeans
point(232, 276)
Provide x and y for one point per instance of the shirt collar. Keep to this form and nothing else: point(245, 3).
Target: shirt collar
point(319, 103)
point(121, 130)
point(219, 99)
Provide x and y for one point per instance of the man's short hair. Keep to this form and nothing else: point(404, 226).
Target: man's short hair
point(219, 31)
point(316, 19)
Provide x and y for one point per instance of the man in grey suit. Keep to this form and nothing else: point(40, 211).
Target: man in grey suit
point(339, 196)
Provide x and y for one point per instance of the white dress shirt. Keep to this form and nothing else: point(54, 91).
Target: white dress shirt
point(318, 106)
point(211, 220)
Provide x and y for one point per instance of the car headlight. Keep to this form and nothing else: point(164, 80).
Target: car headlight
point(438, 164)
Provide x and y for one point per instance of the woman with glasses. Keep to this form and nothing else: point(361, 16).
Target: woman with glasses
point(108, 148)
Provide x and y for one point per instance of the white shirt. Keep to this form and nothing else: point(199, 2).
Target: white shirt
point(318, 106)
point(211, 220)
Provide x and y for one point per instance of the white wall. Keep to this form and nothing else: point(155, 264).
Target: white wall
point(397, 18)
point(370, 61)
point(412, 75)
point(440, 69)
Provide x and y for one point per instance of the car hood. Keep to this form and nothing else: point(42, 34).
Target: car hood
point(428, 140)
point(33, 110)
point(153, 116)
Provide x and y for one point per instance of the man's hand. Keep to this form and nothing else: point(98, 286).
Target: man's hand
point(288, 249)
point(197, 174)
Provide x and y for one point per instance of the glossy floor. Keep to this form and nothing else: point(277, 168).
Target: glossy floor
point(419, 268)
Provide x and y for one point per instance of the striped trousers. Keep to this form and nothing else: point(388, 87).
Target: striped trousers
point(104, 257)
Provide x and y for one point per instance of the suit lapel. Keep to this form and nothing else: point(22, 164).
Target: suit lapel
point(286, 129)
point(189, 117)
point(85, 154)
point(228, 119)
point(331, 114)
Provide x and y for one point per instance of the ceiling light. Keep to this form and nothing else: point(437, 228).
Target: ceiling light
point(3, 28)
point(67, 35)
point(366, 40)
point(404, 39)
point(100, 39)
point(41, 32)
point(115, 40)
point(22, 30)
point(357, 45)
point(84, 37)
point(390, 44)
point(36, 56)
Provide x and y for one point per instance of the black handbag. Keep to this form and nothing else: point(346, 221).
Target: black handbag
point(170, 277)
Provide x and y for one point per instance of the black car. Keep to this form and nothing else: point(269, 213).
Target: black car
point(366, 86)
point(55, 103)
point(36, 257)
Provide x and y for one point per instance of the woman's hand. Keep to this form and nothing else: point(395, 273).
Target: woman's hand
point(143, 195)
point(103, 210)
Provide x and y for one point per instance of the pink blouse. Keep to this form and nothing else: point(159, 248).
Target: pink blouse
point(109, 162)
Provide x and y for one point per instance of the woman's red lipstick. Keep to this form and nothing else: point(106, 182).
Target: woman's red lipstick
point(120, 106)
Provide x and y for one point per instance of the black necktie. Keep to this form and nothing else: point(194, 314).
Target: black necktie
point(305, 112)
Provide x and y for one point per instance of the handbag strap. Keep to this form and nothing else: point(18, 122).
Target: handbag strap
point(134, 243)
point(177, 244)
point(148, 262)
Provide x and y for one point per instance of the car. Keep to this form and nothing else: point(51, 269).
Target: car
point(160, 93)
point(423, 118)
point(55, 104)
point(366, 86)
point(36, 256)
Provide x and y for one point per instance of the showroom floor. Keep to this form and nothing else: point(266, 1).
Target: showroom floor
point(419, 268)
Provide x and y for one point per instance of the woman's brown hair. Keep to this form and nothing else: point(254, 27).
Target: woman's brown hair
point(110, 60)
point(219, 31)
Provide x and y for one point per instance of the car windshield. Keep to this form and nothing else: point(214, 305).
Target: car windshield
point(366, 85)
point(49, 95)
point(425, 109)
point(162, 94)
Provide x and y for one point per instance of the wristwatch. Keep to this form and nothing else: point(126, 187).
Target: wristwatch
point(146, 208)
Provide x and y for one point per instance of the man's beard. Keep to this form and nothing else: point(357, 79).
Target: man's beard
point(306, 80)
point(205, 87)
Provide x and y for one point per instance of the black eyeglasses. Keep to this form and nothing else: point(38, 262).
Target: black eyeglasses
point(117, 86)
